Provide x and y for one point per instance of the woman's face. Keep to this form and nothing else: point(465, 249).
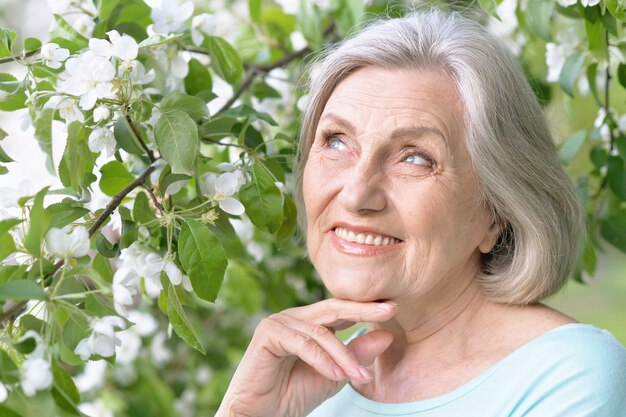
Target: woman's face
point(391, 203)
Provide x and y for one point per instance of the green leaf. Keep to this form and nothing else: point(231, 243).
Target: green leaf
point(105, 7)
point(616, 176)
point(143, 213)
point(195, 107)
point(3, 170)
point(490, 7)
point(599, 156)
point(8, 224)
point(64, 384)
point(571, 146)
point(67, 31)
point(198, 78)
point(4, 157)
point(103, 267)
point(180, 323)
point(167, 178)
point(616, 7)
point(126, 138)
point(290, 221)
point(538, 16)
point(106, 248)
point(263, 200)
point(39, 224)
point(3, 134)
point(613, 229)
point(596, 38)
point(62, 214)
point(75, 168)
point(255, 8)
point(43, 131)
point(203, 258)
point(262, 90)
point(8, 370)
point(7, 412)
point(224, 59)
point(12, 95)
point(6, 42)
point(114, 178)
point(621, 74)
point(7, 246)
point(21, 289)
point(592, 71)
point(176, 135)
point(32, 44)
point(570, 71)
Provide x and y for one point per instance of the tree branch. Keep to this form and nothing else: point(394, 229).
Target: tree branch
point(113, 204)
point(137, 133)
point(14, 58)
point(153, 197)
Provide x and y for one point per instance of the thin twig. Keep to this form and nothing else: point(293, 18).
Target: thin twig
point(113, 204)
point(217, 142)
point(242, 87)
point(14, 58)
point(154, 199)
point(140, 138)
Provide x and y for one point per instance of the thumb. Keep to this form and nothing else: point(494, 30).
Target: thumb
point(368, 346)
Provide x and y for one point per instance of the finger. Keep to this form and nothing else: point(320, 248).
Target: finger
point(327, 340)
point(284, 341)
point(336, 312)
point(370, 345)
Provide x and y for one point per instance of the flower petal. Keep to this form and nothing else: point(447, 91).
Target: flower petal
point(232, 206)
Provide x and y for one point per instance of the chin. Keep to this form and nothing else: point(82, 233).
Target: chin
point(350, 287)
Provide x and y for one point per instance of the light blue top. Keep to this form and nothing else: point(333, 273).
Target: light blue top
point(575, 370)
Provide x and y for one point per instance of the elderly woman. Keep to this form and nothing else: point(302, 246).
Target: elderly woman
point(437, 213)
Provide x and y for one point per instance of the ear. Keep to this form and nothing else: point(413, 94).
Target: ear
point(491, 237)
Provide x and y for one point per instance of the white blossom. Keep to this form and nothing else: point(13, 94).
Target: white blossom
point(567, 3)
point(125, 288)
point(173, 273)
point(123, 47)
point(90, 77)
point(102, 339)
point(138, 74)
point(102, 139)
point(92, 377)
point(68, 242)
point(101, 113)
point(130, 345)
point(35, 376)
point(159, 352)
point(9, 197)
point(52, 55)
point(84, 25)
point(40, 348)
point(170, 16)
point(4, 394)
point(144, 323)
point(203, 24)
point(96, 408)
point(221, 189)
point(68, 109)
point(589, 3)
point(557, 53)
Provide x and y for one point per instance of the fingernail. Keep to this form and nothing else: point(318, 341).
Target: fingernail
point(339, 372)
point(387, 306)
point(365, 373)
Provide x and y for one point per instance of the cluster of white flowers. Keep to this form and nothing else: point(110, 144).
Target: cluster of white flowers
point(35, 372)
point(102, 340)
point(68, 242)
point(140, 262)
point(557, 53)
point(585, 3)
point(604, 130)
point(221, 188)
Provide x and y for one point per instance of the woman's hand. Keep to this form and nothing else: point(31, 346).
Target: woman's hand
point(295, 361)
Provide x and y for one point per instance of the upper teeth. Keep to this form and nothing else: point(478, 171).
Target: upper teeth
point(365, 238)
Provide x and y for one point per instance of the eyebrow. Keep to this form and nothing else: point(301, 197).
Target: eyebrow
point(399, 132)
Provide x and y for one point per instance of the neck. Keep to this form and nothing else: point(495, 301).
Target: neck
point(430, 336)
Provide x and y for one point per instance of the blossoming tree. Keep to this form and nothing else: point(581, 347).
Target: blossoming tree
point(130, 289)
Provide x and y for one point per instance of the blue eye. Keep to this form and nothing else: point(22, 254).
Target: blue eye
point(416, 160)
point(336, 144)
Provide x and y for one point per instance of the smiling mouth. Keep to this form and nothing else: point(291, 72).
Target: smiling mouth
point(365, 238)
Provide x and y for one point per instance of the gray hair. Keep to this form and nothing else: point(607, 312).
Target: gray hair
point(507, 136)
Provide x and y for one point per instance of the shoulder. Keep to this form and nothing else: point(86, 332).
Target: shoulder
point(577, 368)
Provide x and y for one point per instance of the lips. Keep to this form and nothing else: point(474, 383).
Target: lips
point(362, 241)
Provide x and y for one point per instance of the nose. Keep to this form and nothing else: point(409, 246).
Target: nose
point(363, 190)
